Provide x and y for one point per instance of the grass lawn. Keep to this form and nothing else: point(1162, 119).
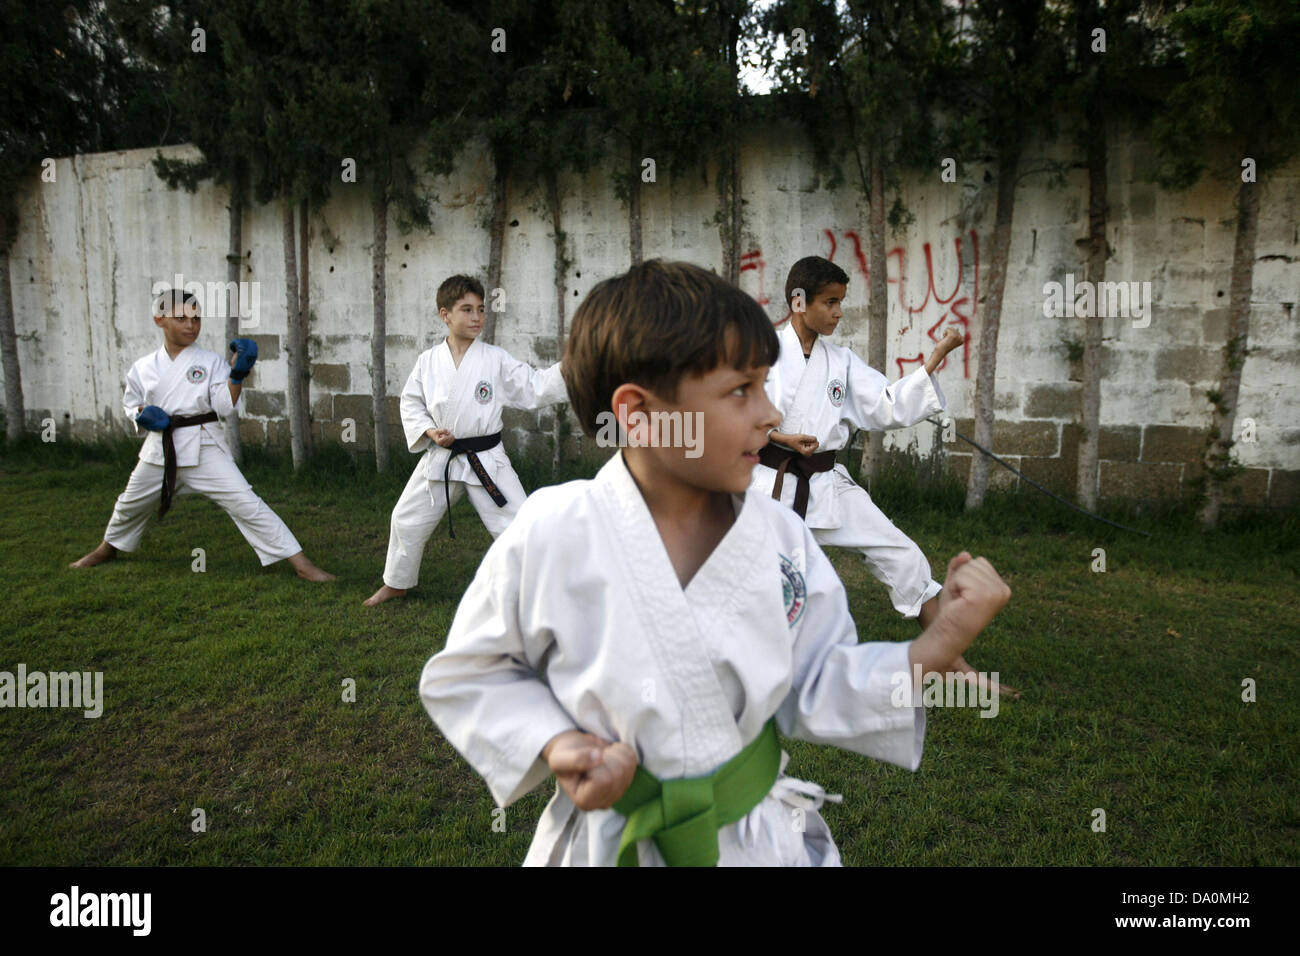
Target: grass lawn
point(224, 688)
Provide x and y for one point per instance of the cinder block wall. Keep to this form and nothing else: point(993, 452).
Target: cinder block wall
point(92, 243)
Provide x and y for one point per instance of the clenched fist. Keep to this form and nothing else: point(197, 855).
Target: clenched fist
point(952, 338)
point(593, 772)
point(972, 594)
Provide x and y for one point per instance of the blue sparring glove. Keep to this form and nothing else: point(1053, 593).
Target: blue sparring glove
point(245, 355)
point(153, 418)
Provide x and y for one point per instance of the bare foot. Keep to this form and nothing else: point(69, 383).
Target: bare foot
point(105, 552)
point(986, 683)
point(384, 594)
point(308, 571)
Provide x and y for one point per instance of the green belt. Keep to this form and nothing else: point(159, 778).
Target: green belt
point(683, 816)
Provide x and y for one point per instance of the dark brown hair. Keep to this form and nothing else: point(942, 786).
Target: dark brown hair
point(173, 302)
point(456, 288)
point(652, 326)
point(812, 274)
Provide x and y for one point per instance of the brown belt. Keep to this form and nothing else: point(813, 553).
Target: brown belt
point(169, 454)
point(785, 459)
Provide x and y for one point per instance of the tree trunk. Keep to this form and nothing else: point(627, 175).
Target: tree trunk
point(873, 448)
point(379, 299)
point(15, 416)
point(304, 310)
point(294, 343)
point(1218, 453)
point(733, 213)
point(634, 201)
point(1098, 253)
point(987, 353)
point(729, 214)
point(561, 270)
point(234, 258)
point(496, 246)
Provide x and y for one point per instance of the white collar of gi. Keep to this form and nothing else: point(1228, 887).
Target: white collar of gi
point(446, 346)
point(168, 360)
point(673, 620)
point(740, 541)
point(790, 339)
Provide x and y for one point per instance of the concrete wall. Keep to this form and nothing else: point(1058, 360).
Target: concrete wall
point(93, 242)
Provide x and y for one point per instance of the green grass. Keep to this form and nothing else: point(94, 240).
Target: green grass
point(223, 689)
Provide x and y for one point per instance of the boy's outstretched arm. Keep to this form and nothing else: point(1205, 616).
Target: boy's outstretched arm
point(975, 593)
point(528, 388)
point(876, 404)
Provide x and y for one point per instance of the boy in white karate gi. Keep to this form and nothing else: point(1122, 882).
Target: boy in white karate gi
point(823, 392)
point(179, 394)
point(451, 410)
point(642, 635)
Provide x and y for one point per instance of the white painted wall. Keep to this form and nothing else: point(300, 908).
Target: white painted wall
point(92, 243)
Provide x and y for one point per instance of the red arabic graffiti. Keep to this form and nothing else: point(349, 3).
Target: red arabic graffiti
point(951, 309)
point(754, 260)
point(954, 308)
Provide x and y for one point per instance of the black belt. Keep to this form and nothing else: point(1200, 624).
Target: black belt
point(468, 447)
point(169, 454)
point(785, 459)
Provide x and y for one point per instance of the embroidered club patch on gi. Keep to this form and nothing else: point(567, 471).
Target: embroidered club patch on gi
point(835, 392)
point(196, 374)
point(483, 392)
point(793, 590)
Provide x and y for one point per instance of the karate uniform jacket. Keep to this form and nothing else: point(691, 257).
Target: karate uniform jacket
point(193, 383)
point(829, 395)
point(467, 401)
point(576, 620)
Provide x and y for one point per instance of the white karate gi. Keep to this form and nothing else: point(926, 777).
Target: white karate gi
point(467, 401)
point(576, 620)
point(827, 396)
point(193, 383)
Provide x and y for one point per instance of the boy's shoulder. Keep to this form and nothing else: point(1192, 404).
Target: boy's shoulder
point(554, 519)
point(788, 528)
point(429, 352)
point(496, 353)
point(556, 506)
point(195, 355)
point(838, 351)
point(206, 356)
point(844, 355)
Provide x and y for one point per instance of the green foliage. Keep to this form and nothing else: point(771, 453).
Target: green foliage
point(659, 87)
point(1234, 63)
point(1012, 63)
point(70, 86)
point(867, 85)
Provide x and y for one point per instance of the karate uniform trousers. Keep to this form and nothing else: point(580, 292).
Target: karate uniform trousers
point(216, 477)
